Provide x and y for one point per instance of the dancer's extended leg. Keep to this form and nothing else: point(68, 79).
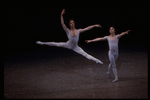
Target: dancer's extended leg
point(59, 44)
point(83, 53)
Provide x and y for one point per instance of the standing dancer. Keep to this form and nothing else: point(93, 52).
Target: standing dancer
point(113, 49)
point(73, 36)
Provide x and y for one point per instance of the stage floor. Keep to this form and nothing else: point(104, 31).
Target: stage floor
point(60, 75)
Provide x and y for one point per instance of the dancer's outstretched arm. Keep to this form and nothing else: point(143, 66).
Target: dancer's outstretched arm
point(97, 39)
point(62, 20)
point(123, 33)
point(90, 27)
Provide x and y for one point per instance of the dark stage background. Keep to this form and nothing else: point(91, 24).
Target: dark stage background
point(35, 71)
point(26, 22)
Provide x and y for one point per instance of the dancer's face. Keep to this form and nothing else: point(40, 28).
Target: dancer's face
point(72, 24)
point(112, 30)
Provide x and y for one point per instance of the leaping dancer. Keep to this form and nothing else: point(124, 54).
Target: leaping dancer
point(73, 38)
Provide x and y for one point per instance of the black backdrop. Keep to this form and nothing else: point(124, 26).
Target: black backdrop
point(27, 22)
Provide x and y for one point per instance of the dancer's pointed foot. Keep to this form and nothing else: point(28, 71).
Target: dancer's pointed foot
point(99, 62)
point(115, 80)
point(38, 42)
point(108, 74)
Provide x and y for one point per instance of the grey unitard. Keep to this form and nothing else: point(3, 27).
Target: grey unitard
point(113, 54)
point(72, 44)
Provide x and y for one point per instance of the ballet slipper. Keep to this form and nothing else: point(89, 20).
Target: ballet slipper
point(38, 42)
point(115, 80)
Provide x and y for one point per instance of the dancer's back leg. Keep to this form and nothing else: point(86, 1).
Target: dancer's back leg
point(109, 70)
point(112, 62)
point(83, 53)
point(59, 44)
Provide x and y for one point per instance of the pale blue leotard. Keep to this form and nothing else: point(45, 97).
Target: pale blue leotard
point(72, 44)
point(113, 54)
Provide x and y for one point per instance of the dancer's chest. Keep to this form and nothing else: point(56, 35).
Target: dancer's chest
point(112, 38)
point(74, 33)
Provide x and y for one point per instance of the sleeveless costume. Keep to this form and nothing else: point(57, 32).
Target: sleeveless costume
point(72, 44)
point(113, 54)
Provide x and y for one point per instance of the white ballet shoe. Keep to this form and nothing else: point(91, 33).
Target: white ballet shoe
point(115, 80)
point(38, 42)
point(99, 62)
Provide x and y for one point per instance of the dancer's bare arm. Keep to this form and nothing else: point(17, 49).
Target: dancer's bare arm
point(62, 20)
point(123, 33)
point(90, 27)
point(97, 39)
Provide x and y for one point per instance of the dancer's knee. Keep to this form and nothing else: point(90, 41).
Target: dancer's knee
point(113, 64)
point(88, 56)
point(53, 44)
point(109, 65)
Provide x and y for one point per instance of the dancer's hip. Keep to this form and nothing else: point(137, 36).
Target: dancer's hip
point(113, 52)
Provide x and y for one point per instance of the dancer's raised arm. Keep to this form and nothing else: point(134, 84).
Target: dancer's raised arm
point(62, 20)
point(123, 33)
point(97, 39)
point(90, 27)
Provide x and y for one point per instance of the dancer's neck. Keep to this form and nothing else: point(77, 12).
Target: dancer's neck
point(113, 34)
point(72, 29)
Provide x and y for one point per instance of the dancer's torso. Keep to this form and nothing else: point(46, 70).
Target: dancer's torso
point(113, 45)
point(73, 40)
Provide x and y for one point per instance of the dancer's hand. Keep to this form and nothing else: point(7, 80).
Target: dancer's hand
point(87, 41)
point(97, 25)
point(128, 31)
point(123, 33)
point(63, 12)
